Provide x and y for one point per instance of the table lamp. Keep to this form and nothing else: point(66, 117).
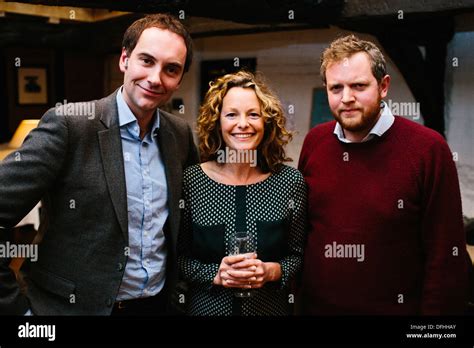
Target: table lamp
point(20, 134)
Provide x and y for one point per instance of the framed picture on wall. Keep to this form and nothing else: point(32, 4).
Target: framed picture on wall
point(320, 111)
point(32, 85)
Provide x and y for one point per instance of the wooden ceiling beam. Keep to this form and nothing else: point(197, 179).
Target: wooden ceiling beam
point(275, 11)
point(59, 12)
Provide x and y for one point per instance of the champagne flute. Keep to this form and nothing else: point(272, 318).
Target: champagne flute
point(241, 242)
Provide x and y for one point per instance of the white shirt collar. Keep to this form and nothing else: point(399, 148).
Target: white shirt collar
point(383, 124)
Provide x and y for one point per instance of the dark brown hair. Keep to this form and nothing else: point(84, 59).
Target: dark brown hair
point(161, 21)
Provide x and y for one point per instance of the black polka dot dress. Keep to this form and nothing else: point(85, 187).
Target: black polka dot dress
point(273, 211)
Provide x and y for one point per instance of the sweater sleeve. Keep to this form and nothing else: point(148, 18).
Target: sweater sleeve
point(292, 263)
point(444, 245)
point(191, 269)
point(307, 144)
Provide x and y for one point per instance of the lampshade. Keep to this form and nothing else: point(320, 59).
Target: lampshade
point(21, 132)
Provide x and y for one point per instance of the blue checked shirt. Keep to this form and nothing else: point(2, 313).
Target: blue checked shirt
point(147, 194)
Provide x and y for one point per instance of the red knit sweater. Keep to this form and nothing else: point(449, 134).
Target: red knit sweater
point(397, 199)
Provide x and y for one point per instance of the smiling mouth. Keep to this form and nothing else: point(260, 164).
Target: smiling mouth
point(150, 91)
point(242, 135)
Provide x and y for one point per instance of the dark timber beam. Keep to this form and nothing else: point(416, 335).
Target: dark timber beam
point(319, 12)
point(424, 23)
point(424, 74)
point(271, 11)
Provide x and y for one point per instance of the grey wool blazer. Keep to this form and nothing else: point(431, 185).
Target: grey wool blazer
point(74, 164)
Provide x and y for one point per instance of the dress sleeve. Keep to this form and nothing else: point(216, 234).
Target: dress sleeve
point(291, 264)
point(191, 269)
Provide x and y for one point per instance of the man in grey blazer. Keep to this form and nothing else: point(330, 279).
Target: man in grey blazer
point(109, 175)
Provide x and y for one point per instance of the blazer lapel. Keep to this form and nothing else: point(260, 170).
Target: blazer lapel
point(112, 160)
point(168, 149)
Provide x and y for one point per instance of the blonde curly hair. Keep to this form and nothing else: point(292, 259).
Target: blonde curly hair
point(270, 151)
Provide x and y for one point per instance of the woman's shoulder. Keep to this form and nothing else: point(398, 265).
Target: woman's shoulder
point(192, 173)
point(197, 175)
point(289, 173)
point(192, 170)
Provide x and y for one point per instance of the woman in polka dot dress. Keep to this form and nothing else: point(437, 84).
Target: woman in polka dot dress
point(242, 185)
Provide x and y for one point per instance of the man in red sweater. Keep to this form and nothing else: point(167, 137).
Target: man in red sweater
point(386, 229)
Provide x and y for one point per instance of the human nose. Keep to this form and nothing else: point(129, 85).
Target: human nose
point(347, 95)
point(243, 122)
point(154, 78)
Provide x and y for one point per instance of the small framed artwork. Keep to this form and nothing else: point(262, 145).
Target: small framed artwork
point(32, 85)
point(320, 111)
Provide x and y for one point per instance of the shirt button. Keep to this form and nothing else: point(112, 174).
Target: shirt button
point(146, 234)
point(119, 266)
point(146, 263)
point(109, 302)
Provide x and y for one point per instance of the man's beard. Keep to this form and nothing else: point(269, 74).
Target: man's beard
point(364, 121)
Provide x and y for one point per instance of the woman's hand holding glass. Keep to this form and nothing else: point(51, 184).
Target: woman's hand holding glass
point(246, 271)
point(263, 271)
point(230, 276)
